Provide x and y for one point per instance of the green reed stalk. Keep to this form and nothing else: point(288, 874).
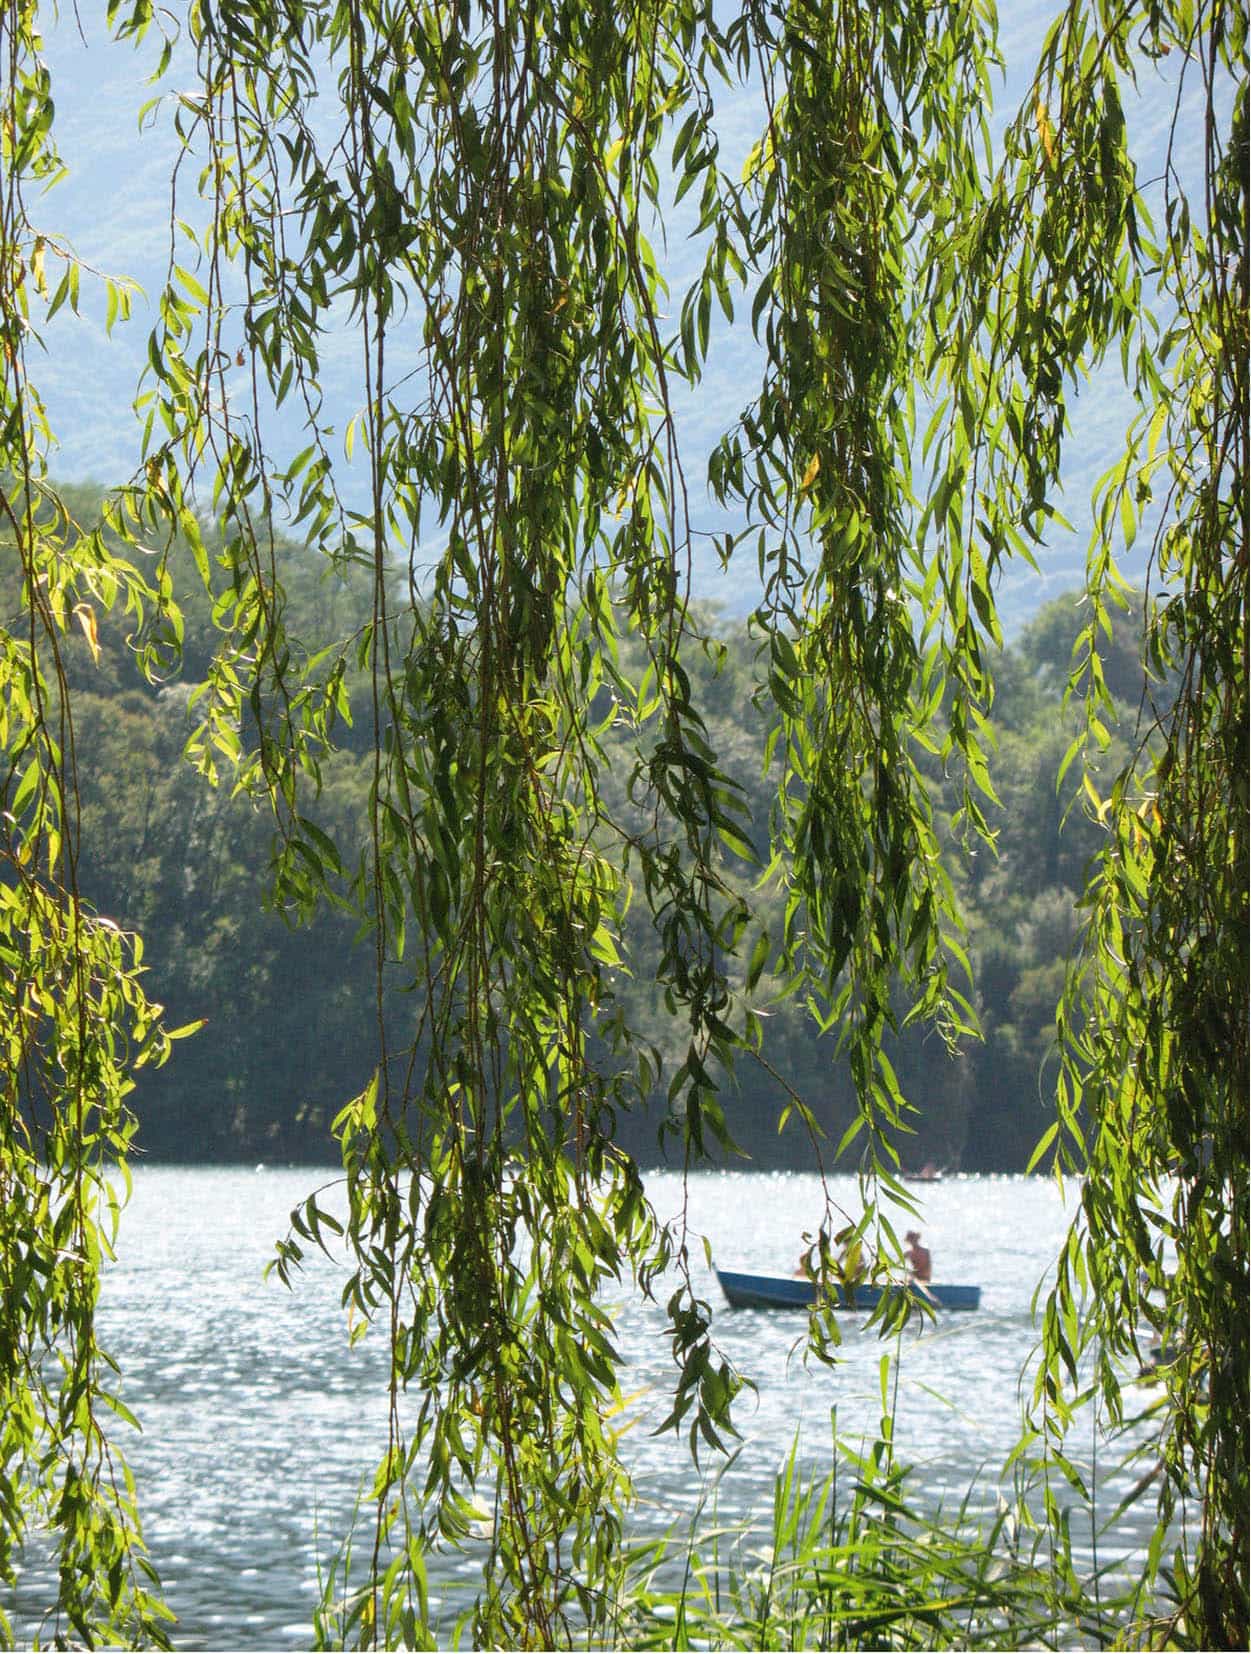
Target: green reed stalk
point(882, 1571)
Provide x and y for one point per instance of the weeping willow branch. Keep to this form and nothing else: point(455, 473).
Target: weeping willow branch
point(468, 197)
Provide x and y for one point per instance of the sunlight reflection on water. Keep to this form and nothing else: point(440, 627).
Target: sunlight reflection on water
point(259, 1422)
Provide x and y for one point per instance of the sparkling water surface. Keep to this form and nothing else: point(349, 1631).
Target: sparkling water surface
point(260, 1422)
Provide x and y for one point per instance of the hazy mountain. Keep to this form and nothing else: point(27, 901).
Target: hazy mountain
point(114, 210)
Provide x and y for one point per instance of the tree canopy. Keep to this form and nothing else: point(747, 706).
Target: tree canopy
point(289, 1011)
point(471, 196)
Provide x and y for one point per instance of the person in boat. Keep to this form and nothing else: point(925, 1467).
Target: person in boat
point(918, 1256)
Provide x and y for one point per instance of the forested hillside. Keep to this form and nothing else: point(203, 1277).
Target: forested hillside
point(289, 1007)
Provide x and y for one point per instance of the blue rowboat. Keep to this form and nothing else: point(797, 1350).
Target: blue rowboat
point(785, 1292)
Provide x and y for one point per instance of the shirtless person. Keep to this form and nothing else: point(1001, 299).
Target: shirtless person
point(918, 1256)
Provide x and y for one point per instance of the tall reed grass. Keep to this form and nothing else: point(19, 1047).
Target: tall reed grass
point(856, 1557)
point(853, 1555)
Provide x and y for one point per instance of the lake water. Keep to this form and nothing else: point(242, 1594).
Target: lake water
point(259, 1421)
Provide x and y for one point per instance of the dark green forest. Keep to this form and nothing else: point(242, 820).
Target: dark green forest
point(288, 1006)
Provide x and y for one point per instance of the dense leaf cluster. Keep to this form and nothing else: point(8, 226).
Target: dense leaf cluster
point(287, 1003)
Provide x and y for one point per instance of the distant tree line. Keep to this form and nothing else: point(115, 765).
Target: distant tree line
point(289, 1007)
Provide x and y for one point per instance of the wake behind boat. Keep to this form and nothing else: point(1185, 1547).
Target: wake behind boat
point(794, 1292)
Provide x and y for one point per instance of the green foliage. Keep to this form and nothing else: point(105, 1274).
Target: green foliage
point(74, 1018)
point(474, 194)
point(291, 1008)
point(1160, 1056)
point(855, 1559)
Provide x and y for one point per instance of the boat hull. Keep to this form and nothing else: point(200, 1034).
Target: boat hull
point(783, 1292)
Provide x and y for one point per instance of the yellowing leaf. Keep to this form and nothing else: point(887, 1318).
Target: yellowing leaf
point(187, 1029)
point(36, 267)
point(760, 161)
point(810, 475)
point(1100, 805)
point(85, 615)
point(1046, 135)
